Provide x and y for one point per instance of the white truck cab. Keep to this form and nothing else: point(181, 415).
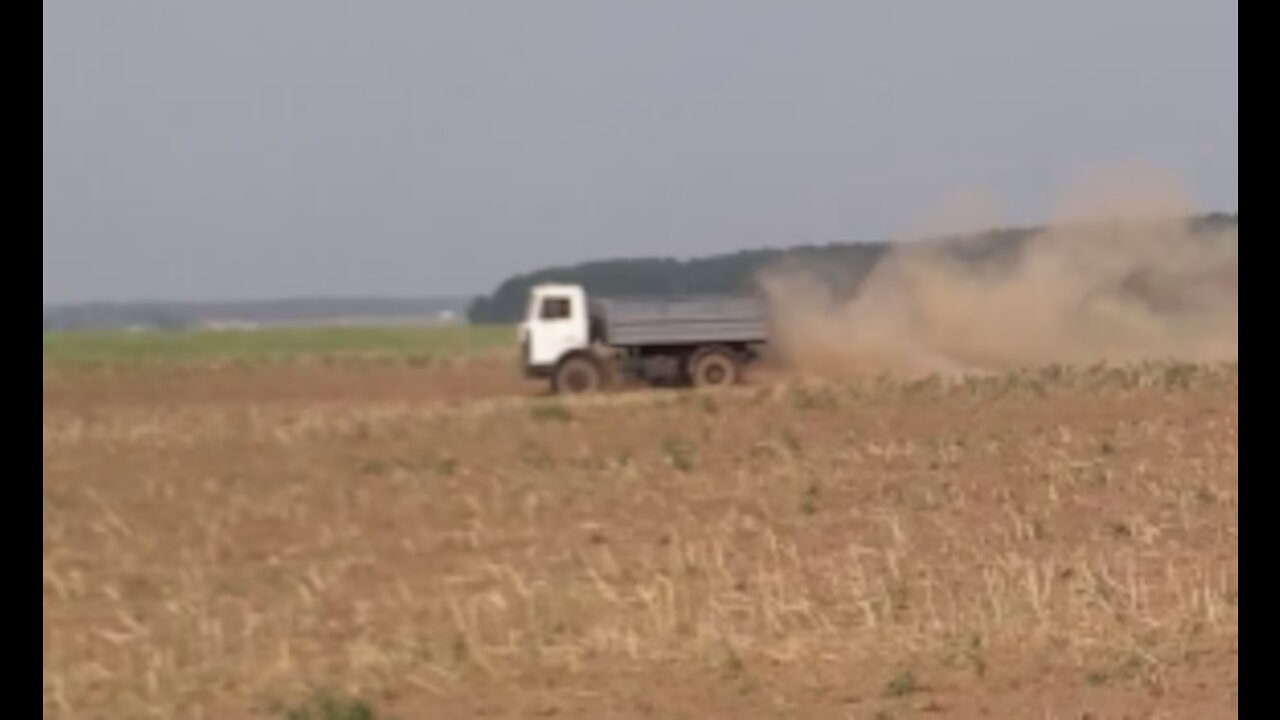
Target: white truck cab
point(556, 323)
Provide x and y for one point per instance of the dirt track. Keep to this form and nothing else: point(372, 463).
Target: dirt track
point(359, 382)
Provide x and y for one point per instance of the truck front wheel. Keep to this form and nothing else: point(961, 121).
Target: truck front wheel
point(577, 374)
point(714, 367)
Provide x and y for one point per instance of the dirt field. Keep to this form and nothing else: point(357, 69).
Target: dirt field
point(440, 541)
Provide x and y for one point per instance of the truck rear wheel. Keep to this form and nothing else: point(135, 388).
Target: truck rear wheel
point(577, 374)
point(715, 367)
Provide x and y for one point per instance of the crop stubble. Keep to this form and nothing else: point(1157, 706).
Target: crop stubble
point(435, 540)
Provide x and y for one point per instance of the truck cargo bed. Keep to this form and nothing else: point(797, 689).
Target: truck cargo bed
point(680, 321)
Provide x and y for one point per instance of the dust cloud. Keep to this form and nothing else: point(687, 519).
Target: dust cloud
point(1119, 274)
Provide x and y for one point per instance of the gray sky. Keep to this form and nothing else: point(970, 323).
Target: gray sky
point(240, 149)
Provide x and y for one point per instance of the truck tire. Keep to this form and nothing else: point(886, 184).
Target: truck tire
point(714, 367)
point(576, 374)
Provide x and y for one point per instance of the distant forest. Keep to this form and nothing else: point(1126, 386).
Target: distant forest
point(842, 266)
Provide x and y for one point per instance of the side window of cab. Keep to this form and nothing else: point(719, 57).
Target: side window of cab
point(555, 308)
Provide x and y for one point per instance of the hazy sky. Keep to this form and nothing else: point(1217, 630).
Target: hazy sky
point(239, 149)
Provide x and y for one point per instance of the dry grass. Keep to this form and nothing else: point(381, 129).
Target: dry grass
point(1042, 544)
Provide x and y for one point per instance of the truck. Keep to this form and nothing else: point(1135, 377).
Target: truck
point(582, 344)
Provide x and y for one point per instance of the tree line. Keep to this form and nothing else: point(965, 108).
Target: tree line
point(841, 266)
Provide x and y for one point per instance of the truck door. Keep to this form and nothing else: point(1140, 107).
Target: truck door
point(559, 326)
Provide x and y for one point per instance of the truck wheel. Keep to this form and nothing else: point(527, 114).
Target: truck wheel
point(714, 368)
point(577, 374)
